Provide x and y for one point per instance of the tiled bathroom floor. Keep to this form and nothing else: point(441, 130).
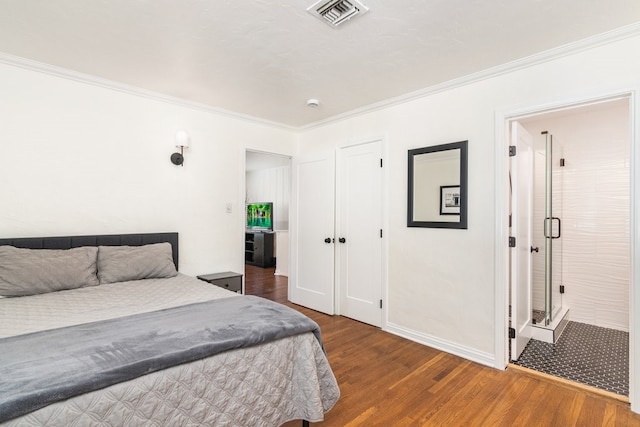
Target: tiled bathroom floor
point(584, 353)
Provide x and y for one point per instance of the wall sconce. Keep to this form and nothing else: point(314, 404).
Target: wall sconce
point(182, 141)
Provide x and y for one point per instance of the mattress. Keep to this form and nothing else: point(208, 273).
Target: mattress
point(264, 385)
point(72, 307)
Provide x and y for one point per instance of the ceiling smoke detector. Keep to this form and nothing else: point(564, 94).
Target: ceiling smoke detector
point(336, 12)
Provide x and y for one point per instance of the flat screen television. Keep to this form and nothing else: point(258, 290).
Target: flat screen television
point(260, 216)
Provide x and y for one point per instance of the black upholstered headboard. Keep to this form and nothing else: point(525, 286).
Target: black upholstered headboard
point(69, 242)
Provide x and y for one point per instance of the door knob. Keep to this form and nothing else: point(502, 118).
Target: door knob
point(342, 240)
point(327, 240)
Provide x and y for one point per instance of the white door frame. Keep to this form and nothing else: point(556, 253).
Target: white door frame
point(240, 209)
point(503, 118)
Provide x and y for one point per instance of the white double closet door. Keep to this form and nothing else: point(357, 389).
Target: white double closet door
point(337, 236)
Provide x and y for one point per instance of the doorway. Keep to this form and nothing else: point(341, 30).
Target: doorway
point(268, 182)
point(579, 251)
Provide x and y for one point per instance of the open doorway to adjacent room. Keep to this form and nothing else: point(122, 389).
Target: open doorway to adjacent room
point(266, 237)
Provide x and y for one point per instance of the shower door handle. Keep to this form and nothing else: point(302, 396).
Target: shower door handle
point(547, 221)
point(559, 227)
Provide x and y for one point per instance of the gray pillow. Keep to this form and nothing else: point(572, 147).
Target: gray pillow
point(122, 263)
point(38, 271)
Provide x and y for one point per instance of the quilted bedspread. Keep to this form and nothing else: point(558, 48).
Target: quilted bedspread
point(262, 385)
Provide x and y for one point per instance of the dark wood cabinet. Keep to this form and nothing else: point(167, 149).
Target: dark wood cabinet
point(258, 249)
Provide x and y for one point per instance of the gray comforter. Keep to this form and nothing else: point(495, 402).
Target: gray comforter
point(44, 367)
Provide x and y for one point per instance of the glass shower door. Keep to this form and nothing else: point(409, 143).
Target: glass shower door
point(552, 230)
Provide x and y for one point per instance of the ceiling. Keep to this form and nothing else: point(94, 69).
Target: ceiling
point(265, 58)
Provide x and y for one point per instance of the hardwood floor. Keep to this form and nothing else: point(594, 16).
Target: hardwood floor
point(386, 380)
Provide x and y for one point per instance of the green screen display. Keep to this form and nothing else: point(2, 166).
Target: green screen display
point(260, 216)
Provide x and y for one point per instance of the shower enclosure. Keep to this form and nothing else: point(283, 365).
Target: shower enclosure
point(547, 237)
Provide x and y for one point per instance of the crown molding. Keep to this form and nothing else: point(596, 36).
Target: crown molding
point(538, 58)
point(65, 73)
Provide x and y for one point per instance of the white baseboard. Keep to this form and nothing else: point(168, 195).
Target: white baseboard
point(472, 354)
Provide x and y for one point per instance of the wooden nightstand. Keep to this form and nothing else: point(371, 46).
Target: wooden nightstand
point(227, 280)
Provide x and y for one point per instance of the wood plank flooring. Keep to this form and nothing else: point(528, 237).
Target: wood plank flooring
point(386, 380)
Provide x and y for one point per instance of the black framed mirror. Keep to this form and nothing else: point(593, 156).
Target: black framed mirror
point(438, 186)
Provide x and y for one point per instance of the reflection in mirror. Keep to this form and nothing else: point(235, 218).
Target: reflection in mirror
point(438, 186)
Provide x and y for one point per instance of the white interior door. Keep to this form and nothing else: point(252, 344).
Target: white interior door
point(311, 280)
point(521, 229)
point(358, 232)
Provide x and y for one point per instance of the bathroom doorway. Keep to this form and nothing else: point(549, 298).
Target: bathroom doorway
point(577, 309)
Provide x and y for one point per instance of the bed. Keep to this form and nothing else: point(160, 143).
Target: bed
point(106, 331)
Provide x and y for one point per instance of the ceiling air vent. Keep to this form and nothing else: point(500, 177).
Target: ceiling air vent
point(335, 12)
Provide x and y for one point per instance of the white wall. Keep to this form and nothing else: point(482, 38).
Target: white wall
point(442, 284)
point(83, 159)
point(593, 202)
